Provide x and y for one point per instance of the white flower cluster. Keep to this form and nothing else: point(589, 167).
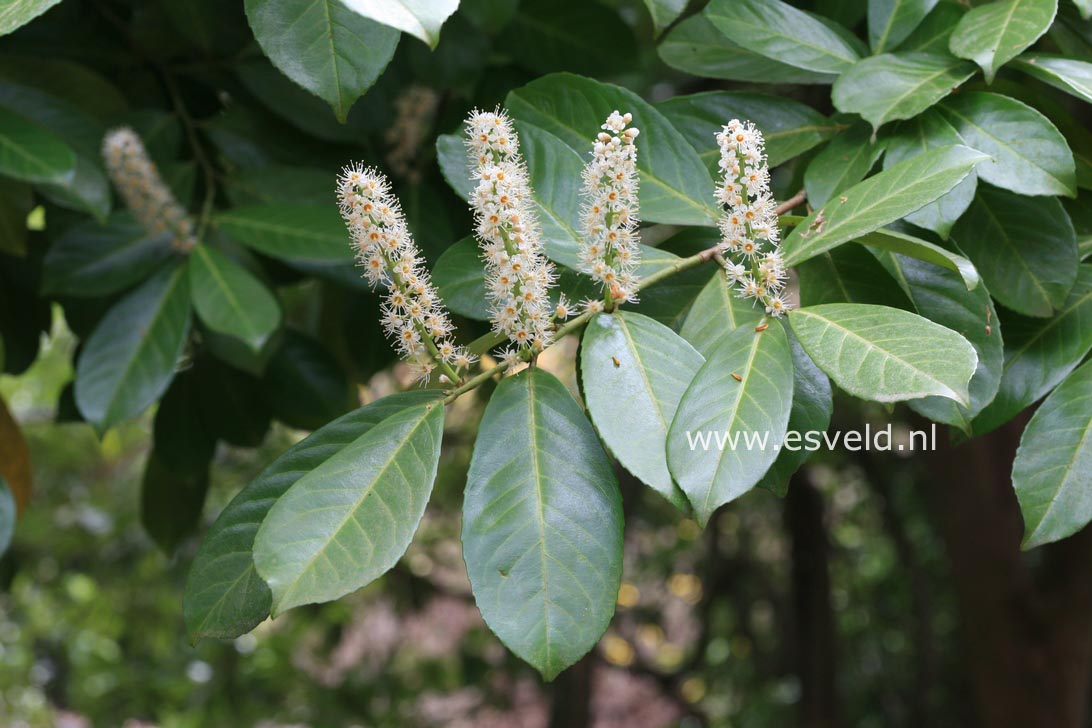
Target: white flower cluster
point(749, 226)
point(518, 276)
point(143, 190)
point(412, 314)
point(608, 251)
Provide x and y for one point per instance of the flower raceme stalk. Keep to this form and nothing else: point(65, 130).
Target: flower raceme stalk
point(750, 235)
point(608, 251)
point(518, 276)
point(143, 189)
point(412, 314)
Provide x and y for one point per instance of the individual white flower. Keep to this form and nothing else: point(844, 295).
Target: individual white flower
point(412, 314)
point(749, 231)
point(610, 214)
point(145, 193)
point(518, 276)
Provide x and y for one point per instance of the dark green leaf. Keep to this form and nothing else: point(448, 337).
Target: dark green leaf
point(848, 274)
point(32, 154)
point(891, 21)
point(841, 164)
point(93, 259)
point(304, 385)
point(290, 232)
point(171, 502)
point(230, 300)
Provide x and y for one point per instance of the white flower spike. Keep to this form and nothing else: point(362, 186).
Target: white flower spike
point(610, 216)
point(143, 189)
point(413, 315)
point(518, 276)
point(749, 232)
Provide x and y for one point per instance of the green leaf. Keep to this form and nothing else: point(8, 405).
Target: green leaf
point(715, 312)
point(225, 597)
point(586, 38)
point(884, 354)
point(940, 296)
point(304, 385)
point(891, 21)
point(880, 200)
point(841, 164)
point(280, 184)
point(13, 224)
point(935, 30)
point(7, 516)
point(920, 134)
point(323, 46)
point(848, 274)
point(1029, 155)
point(183, 441)
point(910, 245)
point(665, 12)
point(17, 13)
point(32, 154)
point(1070, 75)
point(459, 276)
point(130, 357)
point(420, 18)
point(230, 300)
point(1025, 248)
point(1052, 473)
point(349, 520)
point(995, 33)
point(777, 30)
point(695, 46)
point(630, 358)
point(897, 85)
point(171, 502)
point(542, 524)
point(1039, 354)
point(290, 232)
point(789, 127)
point(92, 259)
point(717, 404)
point(675, 186)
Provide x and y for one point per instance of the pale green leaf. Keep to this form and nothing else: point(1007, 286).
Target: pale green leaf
point(995, 33)
point(230, 300)
point(1068, 74)
point(716, 312)
point(420, 18)
point(17, 13)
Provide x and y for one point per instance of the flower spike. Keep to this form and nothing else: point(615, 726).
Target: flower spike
point(143, 189)
point(412, 314)
point(749, 232)
point(610, 216)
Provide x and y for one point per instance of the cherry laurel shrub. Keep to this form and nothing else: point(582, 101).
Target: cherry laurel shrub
point(725, 257)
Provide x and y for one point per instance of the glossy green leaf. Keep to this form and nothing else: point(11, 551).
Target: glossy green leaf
point(1029, 155)
point(665, 12)
point(1039, 354)
point(880, 200)
point(289, 232)
point(1025, 248)
point(675, 186)
point(130, 357)
point(697, 47)
point(542, 524)
point(934, 32)
point(940, 296)
point(93, 259)
point(715, 313)
point(891, 21)
point(32, 154)
point(897, 85)
point(914, 247)
point(920, 134)
point(225, 597)
point(789, 127)
point(885, 354)
point(753, 410)
point(323, 46)
point(627, 357)
point(171, 502)
point(230, 300)
point(1052, 473)
point(586, 38)
point(841, 164)
point(304, 384)
point(1068, 74)
point(17, 13)
point(777, 30)
point(349, 520)
point(459, 276)
point(420, 18)
point(848, 274)
point(995, 33)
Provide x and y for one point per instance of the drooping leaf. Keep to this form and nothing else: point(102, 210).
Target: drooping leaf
point(542, 524)
point(744, 390)
point(171, 502)
point(995, 33)
point(1052, 473)
point(224, 596)
point(1068, 74)
point(230, 300)
point(231, 401)
point(715, 313)
point(32, 154)
point(92, 259)
point(1039, 354)
point(777, 30)
point(914, 247)
point(1029, 156)
point(419, 18)
point(130, 357)
point(1025, 248)
point(891, 21)
point(322, 45)
point(184, 443)
point(897, 85)
point(885, 354)
point(304, 385)
point(841, 164)
point(17, 13)
point(880, 200)
point(630, 358)
point(348, 521)
point(848, 274)
point(289, 232)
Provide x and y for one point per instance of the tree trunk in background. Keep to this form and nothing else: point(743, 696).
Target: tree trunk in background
point(1026, 619)
point(571, 692)
point(814, 641)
